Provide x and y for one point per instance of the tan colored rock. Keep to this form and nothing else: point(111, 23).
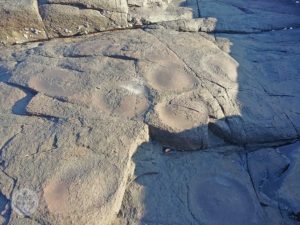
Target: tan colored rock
point(87, 104)
point(6, 184)
point(180, 123)
point(69, 20)
point(167, 75)
point(114, 6)
point(153, 11)
point(20, 22)
point(79, 172)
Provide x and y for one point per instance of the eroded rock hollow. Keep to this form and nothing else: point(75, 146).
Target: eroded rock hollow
point(166, 112)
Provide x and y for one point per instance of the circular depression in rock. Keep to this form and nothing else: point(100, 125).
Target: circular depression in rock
point(170, 77)
point(180, 124)
point(221, 65)
point(80, 186)
point(221, 200)
point(121, 102)
point(55, 82)
point(182, 114)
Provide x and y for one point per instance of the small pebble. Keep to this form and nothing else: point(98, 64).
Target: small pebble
point(168, 151)
point(37, 31)
point(68, 31)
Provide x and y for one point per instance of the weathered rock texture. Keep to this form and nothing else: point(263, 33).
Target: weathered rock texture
point(72, 17)
point(258, 188)
point(235, 16)
point(152, 11)
point(30, 20)
point(20, 21)
point(106, 128)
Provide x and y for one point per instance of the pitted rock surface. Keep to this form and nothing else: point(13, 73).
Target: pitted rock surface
point(161, 112)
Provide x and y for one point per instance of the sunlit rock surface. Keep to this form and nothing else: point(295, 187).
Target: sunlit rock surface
point(174, 115)
point(20, 21)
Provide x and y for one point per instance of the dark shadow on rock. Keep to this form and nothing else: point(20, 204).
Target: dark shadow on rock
point(4, 209)
point(19, 107)
point(268, 92)
point(4, 74)
point(190, 188)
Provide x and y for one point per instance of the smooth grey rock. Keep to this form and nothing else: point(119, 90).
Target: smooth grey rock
point(252, 16)
point(266, 166)
point(267, 72)
point(192, 25)
point(194, 188)
point(288, 193)
point(275, 173)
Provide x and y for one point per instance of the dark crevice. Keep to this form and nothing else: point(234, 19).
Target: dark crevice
point(77, 56)
point(291, 122)
point(259, 31)
point(4, 146)
point(122, 57)
point(244, 10)
point(90, 34)
point(55, 142)
point(45, 116)
point(294, 216)
point(26, 89)
point(250, 176)
point(8, 215)
point(141, 175)
point(189, 207)
point(284, 170)
point(70, 67)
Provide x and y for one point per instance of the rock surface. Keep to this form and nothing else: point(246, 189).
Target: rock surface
point(69, 18)
point(153, 11)
point(106, 128)
point(20, 21)
point(235, 16)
